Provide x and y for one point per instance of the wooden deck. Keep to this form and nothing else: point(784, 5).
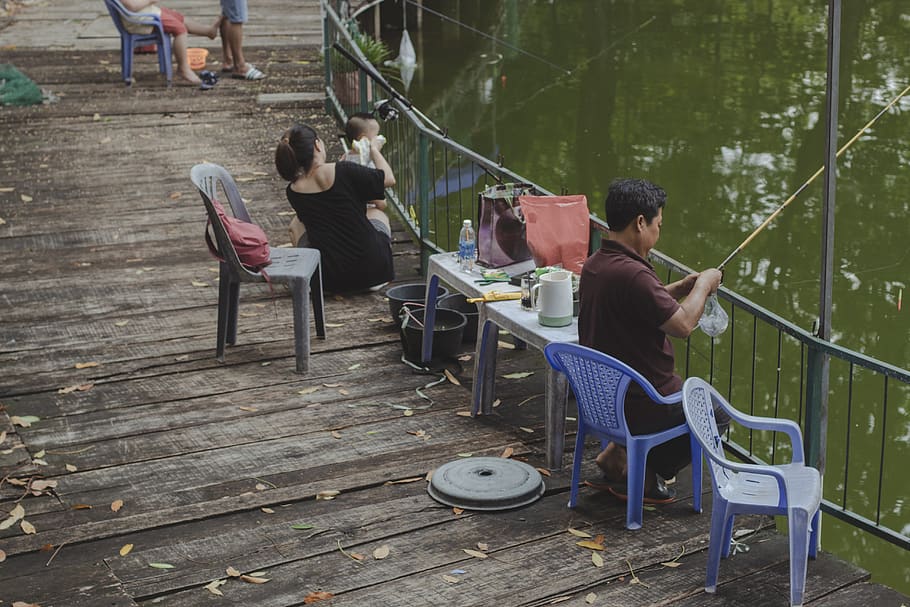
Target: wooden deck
point(107, 336)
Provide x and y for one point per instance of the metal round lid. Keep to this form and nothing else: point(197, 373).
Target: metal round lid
point(486, 483)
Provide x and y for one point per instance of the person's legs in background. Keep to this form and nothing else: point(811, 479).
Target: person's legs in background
point(235, 15)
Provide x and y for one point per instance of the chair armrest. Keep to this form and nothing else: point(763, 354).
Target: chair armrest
point(670, 399)
point(754, 469)
point(788, 427)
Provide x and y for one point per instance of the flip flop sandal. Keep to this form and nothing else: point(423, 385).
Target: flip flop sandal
point(667, 496)
point(251, 74)
point(208, 77)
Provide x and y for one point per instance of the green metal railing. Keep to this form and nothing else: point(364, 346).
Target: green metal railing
point(762, 361)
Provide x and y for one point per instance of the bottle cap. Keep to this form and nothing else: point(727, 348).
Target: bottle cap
point(467, 222)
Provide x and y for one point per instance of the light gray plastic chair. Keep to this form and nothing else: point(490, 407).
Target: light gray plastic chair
point(792, 490)
point(298, 268)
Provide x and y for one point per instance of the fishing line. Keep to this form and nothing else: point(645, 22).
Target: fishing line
point(810, 180)
point(489, 37)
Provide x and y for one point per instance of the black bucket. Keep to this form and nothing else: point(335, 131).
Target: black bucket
point(410, 293)
point(457, 301)
point(447, 332)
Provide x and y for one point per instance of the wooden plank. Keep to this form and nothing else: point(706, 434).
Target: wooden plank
point(79, 585)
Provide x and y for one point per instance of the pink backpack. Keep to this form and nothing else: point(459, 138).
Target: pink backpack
point(250, 242)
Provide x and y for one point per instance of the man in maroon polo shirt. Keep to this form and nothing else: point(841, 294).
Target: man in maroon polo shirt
point(627, 312)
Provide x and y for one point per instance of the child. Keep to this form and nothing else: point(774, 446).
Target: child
point(177, 26)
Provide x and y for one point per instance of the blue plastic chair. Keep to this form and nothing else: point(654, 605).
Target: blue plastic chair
point(792, 490)
point(298, 268)
point(599, 382)
point(129, 41)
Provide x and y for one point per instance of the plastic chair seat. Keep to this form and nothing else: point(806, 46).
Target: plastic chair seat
point(792, 490)
point(600, 382)
point(129, 41)
point(298, 268)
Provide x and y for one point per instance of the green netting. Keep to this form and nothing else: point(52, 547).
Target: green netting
point(16, 88)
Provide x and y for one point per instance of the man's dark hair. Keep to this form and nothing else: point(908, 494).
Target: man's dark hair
point(629, 198)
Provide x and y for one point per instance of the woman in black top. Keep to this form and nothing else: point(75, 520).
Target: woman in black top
point(330, 199)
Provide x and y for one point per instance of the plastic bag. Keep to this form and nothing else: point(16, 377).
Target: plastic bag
point(558, 228)
point(714, 320)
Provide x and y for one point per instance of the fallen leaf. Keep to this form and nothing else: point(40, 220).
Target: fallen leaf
point(451, 579)
point(313, 597)
point(175, 195)
point(2, 436)
point(267, 510)
point(475, 553)
point(232, 572)
point(38, 455)
point(597, 559)
point(505, 345)
point(81, 507)
point(2, 556)
point(24, 421)
point(309, 390)
point(71, 468)
point(543, 471)
point(497, 402)
point(253, 579)
point(465, 358)
point(578, 533)
point(483, 546)
point(46, 548)
point(524, 429)
point(76, 388)
point(24, 604)
point(161, 566)
point(116, 505)
point(336, 434)
point(2, 222)
point(672, 564)
point(456, 510)
point(560, 599)
point(353, 367)
point(507, 453)
point(327, 495)
point(25, 198)
point(40, 485)
point(198, 283)
point(27, 527)
point(261, 487)
point(465, 454)
point(402, 481)
point(86, 365)
point(250, 409)
point(452, 379)
point(599, 538)
point(39, 461)
point(213, 587)
point(408, 412)
point(334, 325)
point(6, 189)
point(343, 392)
point(381, 552)
point(121, 323)
point(590, 598)
point(518, 375)
point(18, 512)
point(590, 545)
point(332, 385)
point(126, 549)
point(463, 413)
point(357, 556)
point(302, 526)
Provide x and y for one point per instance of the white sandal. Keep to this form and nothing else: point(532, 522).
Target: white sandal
point(252, 73)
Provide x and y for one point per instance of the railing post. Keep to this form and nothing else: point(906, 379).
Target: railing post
point(327, 57)
point(817, 369)
point(364, 93)
point(423, 193)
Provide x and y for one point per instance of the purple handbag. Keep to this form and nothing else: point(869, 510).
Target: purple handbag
point(501, 236)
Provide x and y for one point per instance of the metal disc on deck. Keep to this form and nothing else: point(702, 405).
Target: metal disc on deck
point(486, 483)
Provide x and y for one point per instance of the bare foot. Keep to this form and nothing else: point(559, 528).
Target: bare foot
point(612, 461)
point(213, 31)
point(188, 76)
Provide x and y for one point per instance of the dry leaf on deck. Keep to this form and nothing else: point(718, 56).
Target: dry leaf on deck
point(24, 604)
point(505, 345)
point(497, 402)
point(41, 485)
point(46, 548)
point(116, 505)
point(465, 358)
point(590, 545)
point(38, 461)
point(507, 452)
point(357, 556)
point(334, 325)
point(336, 434)
point(672, 564)
point(126, 549)
point(261, 487)
point(27, 527)
point(313, 597)
point(343, 392)
point(267, 510)
point(2, 556)
point(302, 526)
point(477, 554)
point(121, 323)
point(39, 455)
point(161, 566)
point(543, 471)
point(457, 510)
point(451, 579)
point(81, 507)
point(408, 412)
point(24, 421)
point(578, 533)
point(2, 436)
point(590, 598)
point(213, 587)
point(463, 413)
point(232, 572)
point(452, 379)
point(597, 559)
point(76, 388)
point(25, 198)
point(600, 538)
point(86, 365)
point(382, 552)
point(253, 579)
point(309, 390)
point(250, 409)
point(197, 283)
point(354, 367)
point(332, 385)
point(402, 481)
point(17, 513)
point(328, 494)
point(483, 546)
point(175, 195)
point(71, 468)
point(524, 429)
point(518, 375)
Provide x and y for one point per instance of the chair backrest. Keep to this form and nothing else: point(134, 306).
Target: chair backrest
point(599, 382)
point(699, 399)
point(207, 178)
point(123, 16)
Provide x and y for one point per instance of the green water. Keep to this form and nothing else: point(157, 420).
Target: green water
point(722, 104)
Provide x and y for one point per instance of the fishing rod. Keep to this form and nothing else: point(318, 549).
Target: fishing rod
point(385, 85)
point(777, 212)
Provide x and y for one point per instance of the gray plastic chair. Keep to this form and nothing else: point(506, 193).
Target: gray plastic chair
point(298, 268)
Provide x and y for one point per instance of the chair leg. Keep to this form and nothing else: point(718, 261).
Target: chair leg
point(485, 369)
point(727, 544)
point(719, 519)
point(126, 59)
point(576, 464)
point(555, 415)
point(318, 301)
point(696, 473)
point(798, 523)
point(813, 536)
point(224, 303)
point(301, 297)
point(233, 312)
point(636, 459)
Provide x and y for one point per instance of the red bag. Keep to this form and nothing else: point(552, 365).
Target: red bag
point(250, 242)
point(557, 229)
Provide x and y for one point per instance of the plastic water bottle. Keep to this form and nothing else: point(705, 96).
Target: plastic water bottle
point(467, 247)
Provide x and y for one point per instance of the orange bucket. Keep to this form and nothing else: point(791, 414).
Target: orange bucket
point(196, 58)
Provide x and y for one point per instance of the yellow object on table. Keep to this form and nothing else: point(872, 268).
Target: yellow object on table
point(496, 296)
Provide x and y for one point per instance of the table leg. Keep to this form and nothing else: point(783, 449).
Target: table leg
point(555, 418)
point(485, 367)
point(429, 318)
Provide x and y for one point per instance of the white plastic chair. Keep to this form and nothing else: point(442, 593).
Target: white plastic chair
point(792, 490)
